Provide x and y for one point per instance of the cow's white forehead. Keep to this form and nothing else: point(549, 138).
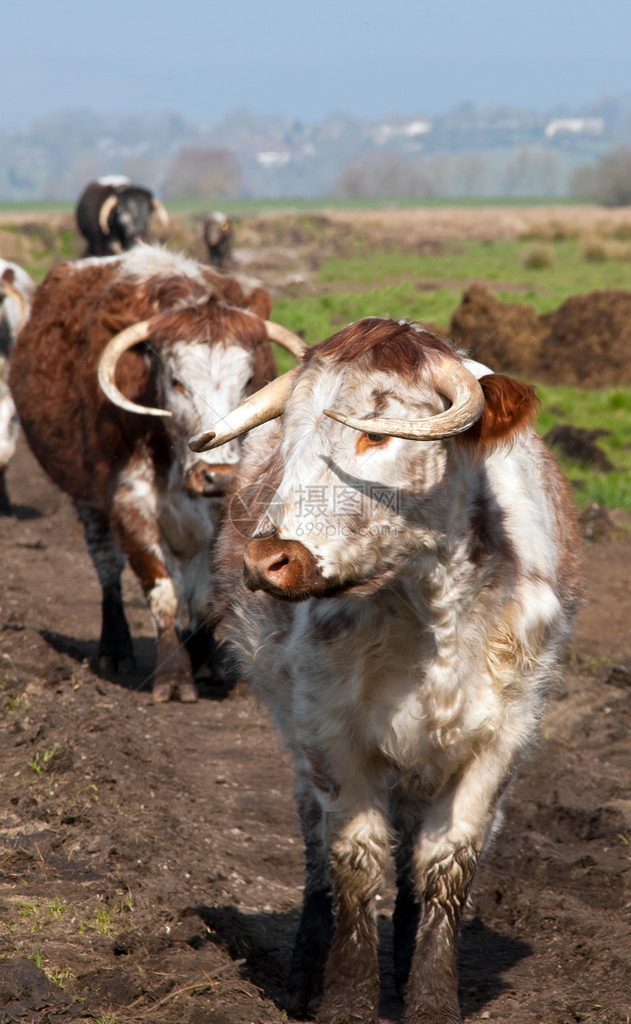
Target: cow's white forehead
point(217, 377)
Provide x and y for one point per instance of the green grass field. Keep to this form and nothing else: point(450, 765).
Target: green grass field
point(429, 287)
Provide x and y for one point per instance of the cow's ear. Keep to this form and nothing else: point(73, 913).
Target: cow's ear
point(511, 406)
point(259, 302)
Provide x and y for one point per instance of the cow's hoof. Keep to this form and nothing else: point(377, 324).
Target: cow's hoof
point(187, 692)
point(183, 690)
point(163, 690)
point(111, 664)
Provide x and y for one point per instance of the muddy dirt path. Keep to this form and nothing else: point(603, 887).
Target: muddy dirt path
point(150, 861)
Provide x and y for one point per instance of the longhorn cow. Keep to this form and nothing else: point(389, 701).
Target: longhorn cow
point(399, 569)
point(16, 293)
point(113, 215)
point(121, 360)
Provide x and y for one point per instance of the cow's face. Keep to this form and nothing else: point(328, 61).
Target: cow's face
point(352, 506)
point(201, 381)
point(345, 512)
point(129, 220)
point(186, 367)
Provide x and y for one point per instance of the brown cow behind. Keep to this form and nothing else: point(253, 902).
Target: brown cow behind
point(108, 418)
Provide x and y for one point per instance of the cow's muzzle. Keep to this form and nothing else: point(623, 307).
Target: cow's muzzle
point(284, 568)
point(209, 481)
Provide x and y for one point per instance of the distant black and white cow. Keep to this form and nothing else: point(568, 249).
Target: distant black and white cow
point(16, 294)
point(218, 235)
point(113, 215)
point(399, 563)
point(121, 359)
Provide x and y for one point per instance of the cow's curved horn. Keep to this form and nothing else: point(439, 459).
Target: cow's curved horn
point(108, 362)
point(263, 405)
point(452, 380)
point(104, 213)
point(161, 213)
point(286, 338)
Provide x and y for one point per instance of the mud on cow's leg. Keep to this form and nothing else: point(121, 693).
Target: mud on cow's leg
point(447, 847)
point(138, 532)
point(358, 853)
point(173, 676)
point(406, 814)
point(115, 652)
point(313, 939)
point(431, 995)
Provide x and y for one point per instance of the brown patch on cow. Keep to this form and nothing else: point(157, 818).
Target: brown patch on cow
point(136, 536)
point(375, 343)
point(511, 406)
point(366, 442)
point(211, 481)
point(260, 302)
point(210, 322)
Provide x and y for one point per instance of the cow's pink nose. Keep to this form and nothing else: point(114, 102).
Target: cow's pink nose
point(284, 568)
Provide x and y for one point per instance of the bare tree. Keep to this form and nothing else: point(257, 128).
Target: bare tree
point(206, 174)
point(383, 176)
point(607, 182)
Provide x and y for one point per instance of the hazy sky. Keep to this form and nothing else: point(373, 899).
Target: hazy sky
point(307, 60)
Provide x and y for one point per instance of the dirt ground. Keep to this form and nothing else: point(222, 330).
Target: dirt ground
point(150, 860)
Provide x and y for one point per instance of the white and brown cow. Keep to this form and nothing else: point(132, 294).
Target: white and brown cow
point(122, 358)
point(16, 294)
point(408, 553)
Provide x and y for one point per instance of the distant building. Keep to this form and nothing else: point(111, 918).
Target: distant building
point(273, 158)
point(383, 133)
point(574, 126)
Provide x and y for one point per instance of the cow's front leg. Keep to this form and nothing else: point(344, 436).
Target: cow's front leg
point(173, 676)
point(406, 807)
point(358, 854)
point(136, 525)
point(116, 650)
point(446, 852)
point(313, 940)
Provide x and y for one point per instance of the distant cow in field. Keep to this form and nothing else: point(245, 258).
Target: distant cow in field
point(113, 215)
point(16, 293)
point(218, 235)
point(121, 360)
point(399, 565)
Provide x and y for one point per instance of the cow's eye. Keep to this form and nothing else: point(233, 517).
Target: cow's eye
point(177, 385)
point(365, 441)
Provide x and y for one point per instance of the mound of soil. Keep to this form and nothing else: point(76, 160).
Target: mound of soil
point(150, 858)
point(501, 334)
point(586, 342)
